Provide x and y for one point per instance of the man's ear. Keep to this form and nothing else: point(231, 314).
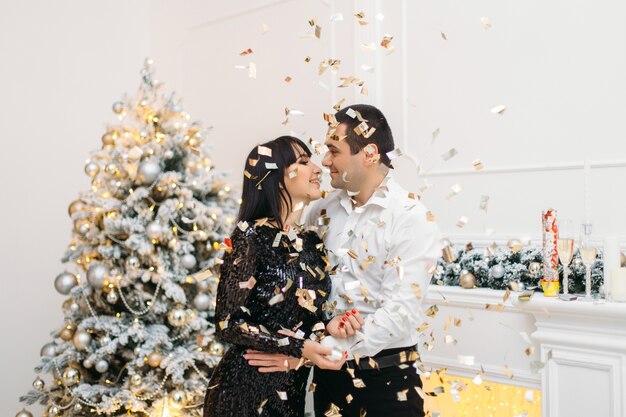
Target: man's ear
point(371, 153)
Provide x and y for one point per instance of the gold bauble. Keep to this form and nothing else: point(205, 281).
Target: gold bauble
point(216, 348)
point(154, 359)
point(535, 269)
point(515, 245)
point(178, 399)
point(135, 379)
point(177, 317)
point(39, 384)
point(70, 377)
point(467, 279)
point(68, 332)
point(76, 205)
point(82, 226)
point(448, 255)
point(24, 413)
point(109, 138)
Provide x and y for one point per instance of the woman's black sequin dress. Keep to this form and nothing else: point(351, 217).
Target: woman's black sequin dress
point(249, 318)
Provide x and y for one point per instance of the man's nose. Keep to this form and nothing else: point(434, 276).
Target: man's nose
point(326, 161)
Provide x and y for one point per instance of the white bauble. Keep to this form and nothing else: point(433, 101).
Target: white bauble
point(64, 282)
point(97, 275)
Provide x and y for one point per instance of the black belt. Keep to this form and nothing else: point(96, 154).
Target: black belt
point(385, 359)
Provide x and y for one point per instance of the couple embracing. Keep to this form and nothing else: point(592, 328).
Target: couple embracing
point(340, 289)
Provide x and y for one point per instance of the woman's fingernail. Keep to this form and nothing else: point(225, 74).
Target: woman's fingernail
point(354, 311)
point(341, 325)
point(347, 314)
point(344, 319)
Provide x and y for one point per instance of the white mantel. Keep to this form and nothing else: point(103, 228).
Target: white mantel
point(582, 344)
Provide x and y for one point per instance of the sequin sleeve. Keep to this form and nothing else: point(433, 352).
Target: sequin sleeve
point(235, 325)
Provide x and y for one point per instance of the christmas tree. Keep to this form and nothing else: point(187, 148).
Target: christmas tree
point(138, 336)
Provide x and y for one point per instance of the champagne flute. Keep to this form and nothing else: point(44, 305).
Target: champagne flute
point(588, 254)
point(565, 249)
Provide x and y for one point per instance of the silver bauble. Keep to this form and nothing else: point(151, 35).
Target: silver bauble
point(178, 399)
point(82, 226)
point(535, 269)
point(497, 271)
point(38, 384)
point(70, 377)
point(188, 261)
point(74, 307)
point(49, 349)
point(112, 297)
point(132, 262)
point(88, 363)
point(154, 230)
point(102, 366)
point(97, 275)
point(92, 169)
point(24, 413)
point(78, 407)
point(64, 282)
point(118, 107)
point(203, 285)
point(177, 317)
point(202, 301)
point(53, 411)
point(148, 172)
point(81, 339)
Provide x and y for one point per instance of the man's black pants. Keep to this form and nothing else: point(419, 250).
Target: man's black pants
point(379, 397)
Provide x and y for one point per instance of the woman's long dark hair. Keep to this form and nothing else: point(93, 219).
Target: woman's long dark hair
point(264, 190)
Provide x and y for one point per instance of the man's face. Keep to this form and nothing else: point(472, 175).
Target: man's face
point(345, 168)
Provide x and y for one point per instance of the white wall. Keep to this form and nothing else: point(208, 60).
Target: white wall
point(557, 66)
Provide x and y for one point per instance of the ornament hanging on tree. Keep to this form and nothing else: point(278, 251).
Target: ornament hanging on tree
point(70, 377)
point(49, 349)
point(97, 275)
point(92, 169)
point(467, 279)
point(497, 271)
point(177, 317)
point(81, 340)
point(188, 261)
point(148, 172)
point(535, 269)
point(102, 366)
point(67, 333)
point(24, 413)
point(178, 399)
point(38, 384)
point(154, 359)
point(64, 282)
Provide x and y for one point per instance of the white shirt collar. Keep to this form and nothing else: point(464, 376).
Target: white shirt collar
point(380, 197)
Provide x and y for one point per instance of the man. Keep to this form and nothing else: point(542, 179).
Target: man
point(383, 246)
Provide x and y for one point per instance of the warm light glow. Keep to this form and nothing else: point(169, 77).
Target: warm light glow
point(463, 398)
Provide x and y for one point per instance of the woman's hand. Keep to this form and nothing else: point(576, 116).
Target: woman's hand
point(271, 362)
point(317, 354)
point(341, 327)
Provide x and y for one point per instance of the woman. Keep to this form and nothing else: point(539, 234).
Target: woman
point(272, 286)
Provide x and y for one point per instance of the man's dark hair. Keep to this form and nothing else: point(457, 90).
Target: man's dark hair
point(374, 118)
point(264, 188)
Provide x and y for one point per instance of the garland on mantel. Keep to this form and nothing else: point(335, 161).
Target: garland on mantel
point(486, 266)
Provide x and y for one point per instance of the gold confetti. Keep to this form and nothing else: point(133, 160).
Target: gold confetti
point(432, 310)
point(338, 105)
point(361, 128)
point(288, 79)
point(293, 174)
point(349, 398)
point(423, 327)
point(264, 28)
point(337, 17)
point(449, 155)
point(359, 15)
point(249, 284)
point(333, 411)
point(456, 189)
point(260, 409)
point(486, 22)
point(385, 43)
point(430, 216)
point(396, 153)
point(318, 31)
point(276, 299)
point(242, 225)
point(507, 371)
point(307, 59)
point(498, 109)
point(449, 340)
point(358, 383)
point(362, 22)
point(252, 162)
point(478, 165)
point(497, 307)
point(402, 395)
point(484, 202)
point(443, 36)
point(506, 295)
point(353, 254)
point(417, 290)
point(463, 220)
point(282, 395)
point(246, 52)
point(312, 387)
point(265, 151)
point(529, 350)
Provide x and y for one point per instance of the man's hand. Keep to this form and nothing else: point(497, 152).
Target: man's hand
point(271, 362)
point(341, 327)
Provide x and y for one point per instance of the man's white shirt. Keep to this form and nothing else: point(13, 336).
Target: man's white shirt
point(383, 252)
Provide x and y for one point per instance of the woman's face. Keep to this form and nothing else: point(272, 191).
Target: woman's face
point(302, 180)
